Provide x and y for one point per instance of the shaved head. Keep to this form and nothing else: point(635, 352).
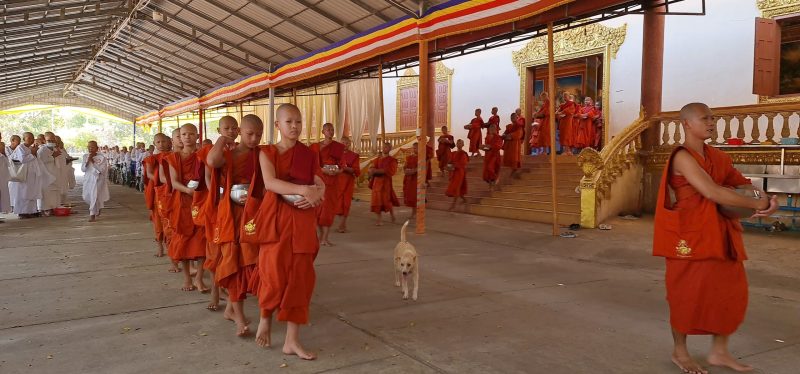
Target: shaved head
point(287, 107)
point(187, 127)
point(228, 126)
point(252, 121)
point(693, 110)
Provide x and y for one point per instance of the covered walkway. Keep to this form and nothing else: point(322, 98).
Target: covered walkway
point(510, 298)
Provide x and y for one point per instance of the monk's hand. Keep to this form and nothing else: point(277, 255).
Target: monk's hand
point(771, 208)
point(226, 142)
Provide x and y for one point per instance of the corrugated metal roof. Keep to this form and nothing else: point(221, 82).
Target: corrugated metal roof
point(169, 49)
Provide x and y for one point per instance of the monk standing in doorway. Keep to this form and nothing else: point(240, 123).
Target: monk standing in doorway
point(705, 277)
point(330, 155)
point(347, 181)
point(289, 238)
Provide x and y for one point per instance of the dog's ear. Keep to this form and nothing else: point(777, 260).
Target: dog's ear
point(397, 258)
point(414, 257)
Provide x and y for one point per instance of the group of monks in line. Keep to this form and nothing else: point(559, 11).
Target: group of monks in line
point(578, 126)
point(36, 173)
point(252, 215)
point(500, 149)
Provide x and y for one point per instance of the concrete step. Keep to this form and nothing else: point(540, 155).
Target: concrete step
point(525, 214)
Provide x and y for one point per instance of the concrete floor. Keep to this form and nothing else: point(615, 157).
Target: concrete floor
point(496, 296)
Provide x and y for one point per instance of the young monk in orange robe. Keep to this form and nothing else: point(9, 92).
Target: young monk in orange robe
point(205, 203)
point(494, 120)
point(512, 146)
point(492, 159)
point(445, 143)
point(705, 276)
point(163, 196)
point(585, 130)
point(330, 155)
point(543, 116)
point(236, 270)
point(474, 134)
point(410, 180)
point(162, 144)
point(458, 175)
point(381, 172)
point(347, 181)
point(287, 231)
point(565, 114)
point(188, 241)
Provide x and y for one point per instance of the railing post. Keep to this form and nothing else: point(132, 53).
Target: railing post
point(727, 132)
point(755, 132)
point(740, 129)
point(664, 133)
point(785, 124)
point(770, 129)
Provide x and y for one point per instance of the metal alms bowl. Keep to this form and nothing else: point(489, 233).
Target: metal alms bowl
point(192, 184)
point(292, 198)
point(239, 193)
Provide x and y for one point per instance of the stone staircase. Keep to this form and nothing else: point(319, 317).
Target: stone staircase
point(523, 197)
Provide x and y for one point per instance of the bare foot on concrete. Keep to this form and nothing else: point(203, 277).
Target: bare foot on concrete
point(263, 337)
point(726, 360)
point(297, 350)
point(688, 365)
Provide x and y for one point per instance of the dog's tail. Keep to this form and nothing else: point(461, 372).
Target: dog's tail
point(403, 232)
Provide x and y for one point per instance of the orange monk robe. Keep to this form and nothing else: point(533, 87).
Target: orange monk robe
point(492, 159)
point(163, 194)
point(585, 129)
point(150, 196)
point(494, 121)
point(188, 240)
point(204, 207)
point(474, 134)
point(706, 296)
point(443, 151)
point(236, 270)
point(458, 177)
point(347, 181)
point(565, 124)
point(286, 260)
point(330, 154)
point(512, 151)
point(543, 116)
point(428, 158)
point(410, 182)
point(383, 196)
point(598, 128)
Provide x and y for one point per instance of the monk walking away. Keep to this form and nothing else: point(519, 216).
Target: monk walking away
point(330, 156)
point(492, 159)
point(351, 170)
point(95, 180)
point(285, 226)
point(702, 241)
point(236, 270)
point(457, 188)
point(381, 171)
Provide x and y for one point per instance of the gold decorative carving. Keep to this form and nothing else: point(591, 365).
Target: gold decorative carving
point(775, 8)
point(410, 79)
point(592, 39)
point(590, 161)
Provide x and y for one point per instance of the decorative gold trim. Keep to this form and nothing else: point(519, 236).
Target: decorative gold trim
point(777, 8)
point(778, 99)
point(592, 39)
point(411, 79)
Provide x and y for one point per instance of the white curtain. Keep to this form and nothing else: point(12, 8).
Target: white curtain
point(360, 108)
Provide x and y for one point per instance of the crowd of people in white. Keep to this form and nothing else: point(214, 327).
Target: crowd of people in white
point(36, 173)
